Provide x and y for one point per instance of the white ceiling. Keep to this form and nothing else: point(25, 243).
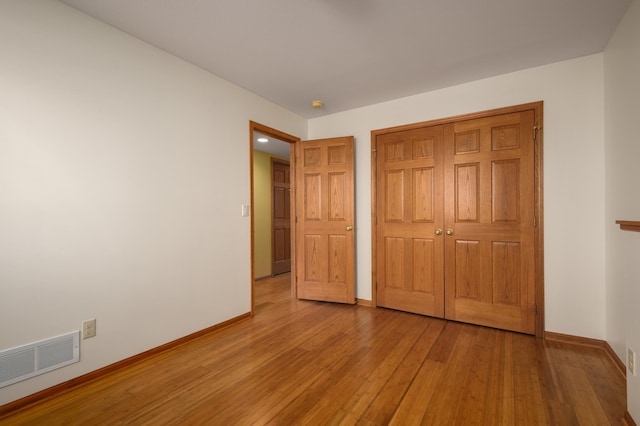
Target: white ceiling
point(351, 53)
point(273, 146)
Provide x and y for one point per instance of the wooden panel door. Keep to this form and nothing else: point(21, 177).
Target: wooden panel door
point(410, 214)
point(489, 221)
point(281, 216)
point(325, 242)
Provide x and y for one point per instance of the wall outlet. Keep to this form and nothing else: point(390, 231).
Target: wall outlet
point(88, 328)
point(631, 361)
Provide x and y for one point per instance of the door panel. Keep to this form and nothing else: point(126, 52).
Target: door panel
point(467, 192)
point(325, 220)
point(409, 193)
point(281, 217)
point(489, 196)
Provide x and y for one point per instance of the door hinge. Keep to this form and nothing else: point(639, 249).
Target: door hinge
point(535, 309)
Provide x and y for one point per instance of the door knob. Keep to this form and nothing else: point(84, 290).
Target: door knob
point(449, 231)
point(349, 227)
point(439, 231)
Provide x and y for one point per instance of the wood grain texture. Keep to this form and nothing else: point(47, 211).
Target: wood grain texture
point(489, 207)
point(408, 250)
point(506, 133)
point(592, 343)
point(280, 216)
point(305, 362)
point(629, 225)
point(325, 218)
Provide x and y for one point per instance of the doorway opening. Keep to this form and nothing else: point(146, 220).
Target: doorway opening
point(278, 149)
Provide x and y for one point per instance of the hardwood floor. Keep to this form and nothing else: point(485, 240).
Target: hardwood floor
point(301, 362)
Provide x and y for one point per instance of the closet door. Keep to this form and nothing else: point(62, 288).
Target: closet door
point(489, 221)
point(409, 220)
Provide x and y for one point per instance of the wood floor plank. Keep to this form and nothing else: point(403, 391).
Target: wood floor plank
point(597, 372)
point(416, 400)
point(318, 405)
point(530, 407)
point(381, 409)
point(445, 405)
point(379, 377)
point(474, 400)
point(498, 407)
point(581, 396)
point(312, 363)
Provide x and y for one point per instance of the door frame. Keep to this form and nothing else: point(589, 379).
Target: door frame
point(285, 137)
point(537, 107)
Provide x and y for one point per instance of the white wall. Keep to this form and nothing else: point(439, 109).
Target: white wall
point(572, 92)
point(115, 203)
point(122, 173)
point(622, 92)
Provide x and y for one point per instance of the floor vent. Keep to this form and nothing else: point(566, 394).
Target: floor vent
point(30, 360)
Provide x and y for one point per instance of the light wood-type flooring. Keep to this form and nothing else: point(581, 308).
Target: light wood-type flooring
point(311, 363)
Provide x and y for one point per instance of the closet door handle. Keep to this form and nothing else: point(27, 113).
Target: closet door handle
point(449, 231)
point(438, 231)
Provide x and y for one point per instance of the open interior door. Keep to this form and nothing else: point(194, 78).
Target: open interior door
point(325, 240)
